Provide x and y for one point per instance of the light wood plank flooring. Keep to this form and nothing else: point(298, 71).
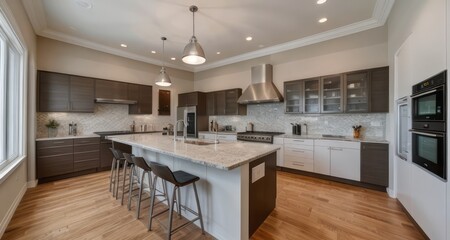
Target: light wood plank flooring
point(307, 208)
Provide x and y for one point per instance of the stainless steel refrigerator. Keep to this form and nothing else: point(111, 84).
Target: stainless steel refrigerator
point(194, 122)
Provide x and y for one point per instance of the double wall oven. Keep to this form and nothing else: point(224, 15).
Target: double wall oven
point(429, 125)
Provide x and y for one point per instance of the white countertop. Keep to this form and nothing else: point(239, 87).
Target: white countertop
point(67, 137)
point(346, 138)
point(225, 155)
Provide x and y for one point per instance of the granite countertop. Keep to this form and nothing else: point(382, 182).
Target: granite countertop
point(225, 155)
point(345, 138)
point(67, 137)
point(220, 132)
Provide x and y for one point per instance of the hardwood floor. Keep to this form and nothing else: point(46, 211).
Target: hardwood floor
point(307, 208)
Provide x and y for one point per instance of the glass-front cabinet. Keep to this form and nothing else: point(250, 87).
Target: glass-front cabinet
point(356, 92)
point(293, 94)
point(332, 94)
point(311, 95)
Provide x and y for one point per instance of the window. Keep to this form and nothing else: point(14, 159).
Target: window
point(12, 98)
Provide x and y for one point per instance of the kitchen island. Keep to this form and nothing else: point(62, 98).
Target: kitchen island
point(237, 189)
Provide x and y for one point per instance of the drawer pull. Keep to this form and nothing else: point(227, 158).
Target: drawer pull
point(299, 141)
point(299, 164)
point(58, 142)
point(298, 151)
point(337, 149)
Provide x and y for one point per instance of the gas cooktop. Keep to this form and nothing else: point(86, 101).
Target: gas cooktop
point(263, 137)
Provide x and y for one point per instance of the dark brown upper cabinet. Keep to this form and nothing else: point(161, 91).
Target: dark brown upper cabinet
point(379, 90)
point(190, 99)
point(363, 91)
point(81, 94)
point(53, 92)
point(225, 103)
point(64, 93)
point(164, 103)
point(144, 97)
point(111, 89)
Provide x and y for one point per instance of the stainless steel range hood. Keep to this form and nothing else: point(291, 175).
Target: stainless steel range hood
point(261, 89)
point(115, 101)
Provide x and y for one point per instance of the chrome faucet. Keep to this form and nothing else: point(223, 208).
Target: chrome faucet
point(175, 133)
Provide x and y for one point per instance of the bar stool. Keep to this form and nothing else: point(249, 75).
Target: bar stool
point(129, 165)
point(117, 159)
point(178, 179)
point(142, 164)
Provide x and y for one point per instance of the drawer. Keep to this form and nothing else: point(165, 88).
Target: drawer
point(55, 151)
point(299, 165)
point(227, 137)
point(54, 143)
point(86, 156)
point(54, 166)
point(86, 164)
point(278, 140)
point(86, 148)
point(298, 159)
point(82, 141)
point(300, 147)
point(338, 144)
point(309, 142)
point(300, 153)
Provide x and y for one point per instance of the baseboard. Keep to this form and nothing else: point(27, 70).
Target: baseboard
point(413, 221)
point(32, 184)
point(391, 193)
point(5, 221)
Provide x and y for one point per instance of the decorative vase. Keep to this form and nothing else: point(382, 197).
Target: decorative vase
point(52, 132)
point(356, 133)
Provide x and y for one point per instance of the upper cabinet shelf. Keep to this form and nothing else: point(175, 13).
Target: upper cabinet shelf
point(364, 91)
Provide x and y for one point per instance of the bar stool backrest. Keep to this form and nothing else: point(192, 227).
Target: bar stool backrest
point(128, 157)
point(141, 163)
point(163, 172)
point(118, 154)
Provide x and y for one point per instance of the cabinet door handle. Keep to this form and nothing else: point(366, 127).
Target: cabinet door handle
point(299, 151)
point(337, 149)
point(299, 164)
point(58, 142)
point(299, 141)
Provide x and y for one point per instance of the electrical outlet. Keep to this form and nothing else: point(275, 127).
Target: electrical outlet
point(258, 172)
point(375, 124)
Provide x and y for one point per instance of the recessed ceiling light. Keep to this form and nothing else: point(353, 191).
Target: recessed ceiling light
point(260, 45)
point(249, 38)
point(123, 45)
point(321, 1)
point(84, 4)
point(322, 20)
point(173, 59)
point(153, 52)
point(218, 53)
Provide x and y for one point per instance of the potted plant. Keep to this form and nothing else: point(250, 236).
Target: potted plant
point(52, 126)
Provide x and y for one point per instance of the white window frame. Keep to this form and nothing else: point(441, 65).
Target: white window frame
point(15, 40)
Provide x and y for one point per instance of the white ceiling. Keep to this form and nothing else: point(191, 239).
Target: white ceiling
point(221, 25)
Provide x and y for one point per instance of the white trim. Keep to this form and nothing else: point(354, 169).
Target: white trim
point(32, 183)
point(391, 193)
point(380, 14)
point(5, 221)
point(10, 168)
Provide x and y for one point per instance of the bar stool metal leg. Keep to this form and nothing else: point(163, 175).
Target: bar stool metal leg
point(125, 168)
point(141, 187)
point(130, 190)
point(172, 202)
point(117, 178)
point(111, 177)
point(152, 202)
point(179, 202)
point(198, 208)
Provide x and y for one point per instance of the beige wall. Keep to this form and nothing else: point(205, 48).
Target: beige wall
point(15, 184)
point(358, 51)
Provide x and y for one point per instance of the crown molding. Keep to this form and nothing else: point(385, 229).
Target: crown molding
point(102, 48)
point(379, 17)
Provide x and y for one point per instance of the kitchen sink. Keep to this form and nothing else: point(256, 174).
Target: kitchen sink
point(333, 136)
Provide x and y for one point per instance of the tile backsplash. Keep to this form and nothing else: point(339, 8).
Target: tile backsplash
point(106, 117)
point(265, 117)
point(271, 117)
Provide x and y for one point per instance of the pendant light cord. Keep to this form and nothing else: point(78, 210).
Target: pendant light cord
point(163, 55)
point(193, 23)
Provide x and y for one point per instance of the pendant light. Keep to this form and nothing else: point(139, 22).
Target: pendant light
point(193, 53)
point(163, 78)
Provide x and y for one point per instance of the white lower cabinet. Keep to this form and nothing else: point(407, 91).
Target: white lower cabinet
point(299, 154)
point(279, 141)
point(322, 160)
point(345, 163)
point(338, 158)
